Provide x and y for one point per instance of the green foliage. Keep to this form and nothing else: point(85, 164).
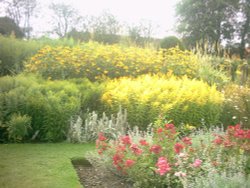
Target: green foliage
point(13, 52)
point(197, 24)
point(213, 70)
point(236, 107)
point(171, 42)
point(49, 104)
point(9, 27)
point(18, 127)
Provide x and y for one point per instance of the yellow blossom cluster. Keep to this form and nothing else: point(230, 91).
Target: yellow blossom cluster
point(184, 100)
point(95, 61)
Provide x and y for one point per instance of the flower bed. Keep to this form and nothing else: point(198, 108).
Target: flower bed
point(163, 158)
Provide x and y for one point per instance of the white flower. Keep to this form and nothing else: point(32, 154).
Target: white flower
point(180, 174)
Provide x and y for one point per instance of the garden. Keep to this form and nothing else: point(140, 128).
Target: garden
point(148, 117)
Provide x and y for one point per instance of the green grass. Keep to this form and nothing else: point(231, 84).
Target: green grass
point(40, 165)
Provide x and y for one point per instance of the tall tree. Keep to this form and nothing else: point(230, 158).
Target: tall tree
point(64, 19)
point(206, 21)
point(244, 26)
point(29, 10)
point(142, 32)
point(8, 27)
point(21, 12)
point(106, 28)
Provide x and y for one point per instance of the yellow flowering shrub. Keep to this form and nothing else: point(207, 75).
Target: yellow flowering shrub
point(181, 62)
point(95, 61)
point(180, 99)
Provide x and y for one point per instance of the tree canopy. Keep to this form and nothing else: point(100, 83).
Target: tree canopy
point(213, 22)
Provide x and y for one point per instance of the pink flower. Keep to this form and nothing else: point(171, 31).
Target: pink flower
point(156, 149)
point(135, 149)
point(129, 162)
point(162, 166)
point(126, 140)
point(178, 147)
point(186, 140)
point(197, 163)
point(143, 142)
point(121, 148)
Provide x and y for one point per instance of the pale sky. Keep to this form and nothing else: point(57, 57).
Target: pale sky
point(160, 12)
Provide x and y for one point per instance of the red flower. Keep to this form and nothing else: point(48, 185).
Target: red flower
point(218, 140)
point(186, 140)
point(156, 149)
point(162, 166)
point(143, 142)
point(129, 163)
point(135, 149)
point(117, 159)
point(101, 137)
point(247, 134)
point(169, 126)
point(178, 147)
point(126, 140)
point(239, 133)
point(159, 130)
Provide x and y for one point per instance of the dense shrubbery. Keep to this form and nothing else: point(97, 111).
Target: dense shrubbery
point(183, 100)
point(236, 106)
point(49, 104)
point(13, 52)
point(95, 61)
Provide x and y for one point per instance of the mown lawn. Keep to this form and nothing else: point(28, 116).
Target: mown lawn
point(40, 165)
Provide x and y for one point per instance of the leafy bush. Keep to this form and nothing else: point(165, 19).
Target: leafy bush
point(211, 72)
point(236, 107)
point(18, 127)
point(49, 104)
point(184, 100)
point(171, 42)
point(166, 160)
point(13, 52)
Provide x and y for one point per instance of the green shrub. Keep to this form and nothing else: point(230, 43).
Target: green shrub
point(236, 107)
point(181, 100)
point(210, 73)
point(13, 52)
point(50, 104)
point(18, 127)
point(171, 42)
